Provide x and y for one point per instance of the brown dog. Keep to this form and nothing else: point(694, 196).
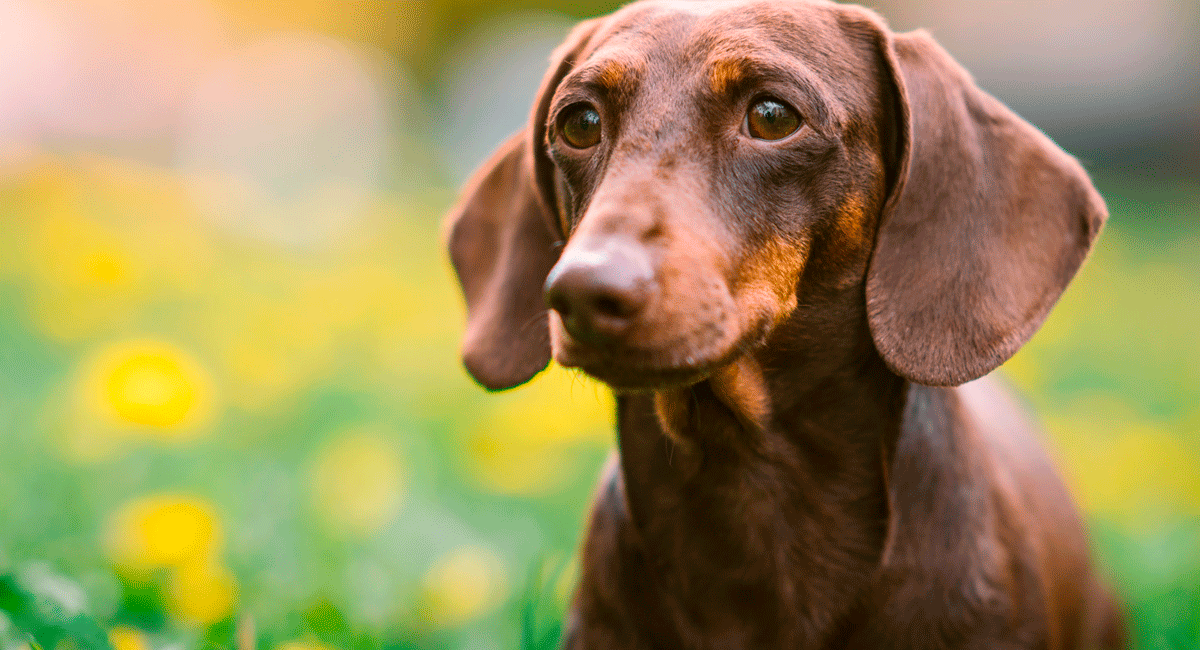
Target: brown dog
point(781, 232)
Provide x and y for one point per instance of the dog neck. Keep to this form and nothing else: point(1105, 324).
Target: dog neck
point(772, 468)
point(817, 387)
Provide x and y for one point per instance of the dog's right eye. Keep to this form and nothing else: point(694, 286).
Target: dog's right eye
point(581, 126)
point(770, 119)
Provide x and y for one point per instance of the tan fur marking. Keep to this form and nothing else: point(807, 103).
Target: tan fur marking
point(671, 406)
point(741, 387)
point(850, 218)
point(725, 74)
point(773, 270)
point(613, 75)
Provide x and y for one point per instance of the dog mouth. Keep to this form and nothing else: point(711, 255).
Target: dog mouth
point(640, 375)
point(627, 367)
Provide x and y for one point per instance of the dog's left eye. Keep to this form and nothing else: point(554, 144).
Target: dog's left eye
point(581, 126)
point(771, 119)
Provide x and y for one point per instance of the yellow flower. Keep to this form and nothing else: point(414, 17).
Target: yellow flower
point(149, 384)
point(1026, 371)
point(527, 444)
point(506, 462)
point(358, 483)
point(201, 592)
point(151, 389)
point(83, 277)
point(74, 251)
point(123, 637)
point(464, 584)
point(1108, 449)
point(182, 534)
point(271, 341)
point(304, 645)
point(166, 530)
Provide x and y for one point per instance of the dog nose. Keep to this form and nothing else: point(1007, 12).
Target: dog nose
point(599, 289)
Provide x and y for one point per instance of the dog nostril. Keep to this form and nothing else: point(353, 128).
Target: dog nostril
point(558, 301)
point(599, 291)
point(612, 307)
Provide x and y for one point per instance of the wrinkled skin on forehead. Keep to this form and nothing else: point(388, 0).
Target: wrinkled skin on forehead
point(730, 222)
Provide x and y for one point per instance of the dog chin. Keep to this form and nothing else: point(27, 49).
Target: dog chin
point(634, 371)
point(685, 362)
point(643, 380)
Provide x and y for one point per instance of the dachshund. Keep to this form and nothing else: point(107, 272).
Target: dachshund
point(792, 242)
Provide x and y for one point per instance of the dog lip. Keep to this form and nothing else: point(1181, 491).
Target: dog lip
point(646, 378)
point(631, 370)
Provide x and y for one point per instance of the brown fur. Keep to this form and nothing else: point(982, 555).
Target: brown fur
point(797, 468)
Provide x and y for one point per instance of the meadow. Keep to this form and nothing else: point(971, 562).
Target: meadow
point(232, 412)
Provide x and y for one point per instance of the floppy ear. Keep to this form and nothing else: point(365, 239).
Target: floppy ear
point(987, 222)
point(503, 240)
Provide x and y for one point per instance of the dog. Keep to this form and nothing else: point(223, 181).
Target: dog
point(791, 240)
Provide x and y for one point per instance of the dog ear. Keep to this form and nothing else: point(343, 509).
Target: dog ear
point(986, 223)
point(503, 240)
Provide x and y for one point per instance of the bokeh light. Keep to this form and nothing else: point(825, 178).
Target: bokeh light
point(124, 637)
point(164, 531)
point(150, 384)
point(464, 584)
point(201, 592)
point(358, 483)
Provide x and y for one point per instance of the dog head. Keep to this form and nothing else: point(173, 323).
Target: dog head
point(689, 165)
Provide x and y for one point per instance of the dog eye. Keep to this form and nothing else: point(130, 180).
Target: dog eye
point(770, 119)
point(581, 126)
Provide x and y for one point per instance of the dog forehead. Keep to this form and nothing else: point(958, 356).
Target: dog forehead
point(673, 37)
point(709, 22)
point(641, 11)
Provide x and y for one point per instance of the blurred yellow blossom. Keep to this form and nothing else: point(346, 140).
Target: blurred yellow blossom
point(123, 637)
point(358, 482)
point(1128, 471)
point(69, 247)
point(271, 337)
point(160, 232)
point(464, 584)
point(180, 533)
point(166, 530)
point(1026, 372)
point(201, 591)
point(304, 645)
point(97, 236)
point(524, 444)
point(84, 277)
point(149, 384)
point(150, 388)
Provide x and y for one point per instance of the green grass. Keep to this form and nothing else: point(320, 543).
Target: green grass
point(312, 358)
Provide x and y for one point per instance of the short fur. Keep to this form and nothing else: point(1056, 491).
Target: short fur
point(785, 324)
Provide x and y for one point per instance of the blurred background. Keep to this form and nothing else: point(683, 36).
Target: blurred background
point(229, 385)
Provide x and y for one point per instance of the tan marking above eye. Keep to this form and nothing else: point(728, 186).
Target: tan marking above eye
point(771, 119)
point(725, 74)
point(616, 77)
point(613, 76)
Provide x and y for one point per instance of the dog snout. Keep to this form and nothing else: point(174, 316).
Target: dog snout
point(600, 288)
